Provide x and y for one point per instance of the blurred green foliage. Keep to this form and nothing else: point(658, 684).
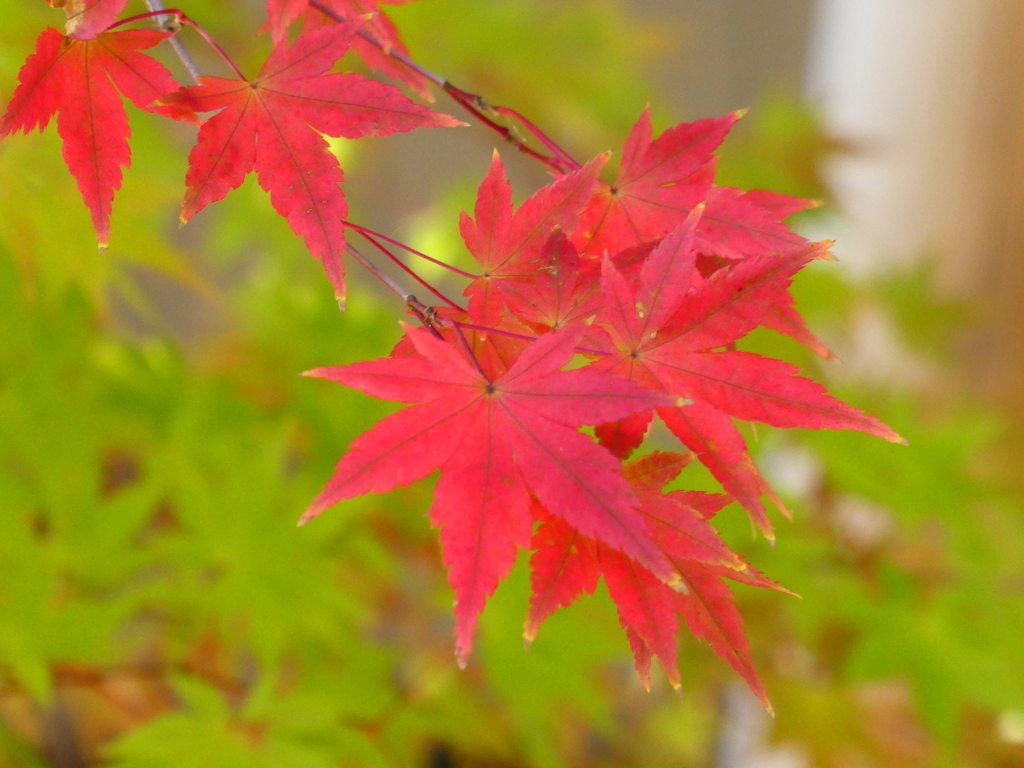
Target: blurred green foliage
point(158, 606)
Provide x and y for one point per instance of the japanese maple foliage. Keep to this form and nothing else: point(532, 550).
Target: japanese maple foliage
point(664, 314)
point(566, 564)
point(505, 242)
point(273, 124)
point(79, 80)
point(598, 303)
point(499, 440)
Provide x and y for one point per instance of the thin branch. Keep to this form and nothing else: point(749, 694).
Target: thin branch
point(478, 107)
point(427, 315)
point(542, 137)
point(394, 287)
point(182, 18)
point(167, 23)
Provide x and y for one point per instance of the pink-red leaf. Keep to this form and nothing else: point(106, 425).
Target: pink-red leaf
point(558, 293)
point(79, 81)
point(780, 206)
point(566, 563)
point(624, 436)
point(497, 443)
point(722, 384)
point(506, 244)
point(482, 507)
point(712, 435)
point(273, 124)
point(646, 606)
point(732, 302)
point(710, 613)
point(667, 273)
point(657, 185)
point(679, 518)
point(735, 227)
point(758, 388)
point(562, 568)
point(376, 53)
point(784, 318)
point(642, 655)
point(400, 449)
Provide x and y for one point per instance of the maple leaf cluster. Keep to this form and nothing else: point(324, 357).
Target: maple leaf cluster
point(271, 124)
point(652, 279)
point(598, 303)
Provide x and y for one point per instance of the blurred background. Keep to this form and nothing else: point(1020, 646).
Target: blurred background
point(158, 606)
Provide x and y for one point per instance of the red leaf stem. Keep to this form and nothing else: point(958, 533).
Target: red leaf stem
point(177, 13)
point(478, 107)
point(408, 270)
point(378, 236)
point(182, 18)
point(571, 163)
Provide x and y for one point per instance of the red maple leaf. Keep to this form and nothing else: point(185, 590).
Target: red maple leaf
point(783, 316)
point(506, 242)
point(273, 124)
point(670, 335)
point(79, 81)
point(566, 565)
point(497, 443)
point(561, 289)
point(735, 226)
point(659, 182)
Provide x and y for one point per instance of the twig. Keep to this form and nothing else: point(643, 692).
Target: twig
point(544, 139)
point(164, 22)
point(478, 107)
point(394, 287)
point(182, 18)
point(426, 315)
